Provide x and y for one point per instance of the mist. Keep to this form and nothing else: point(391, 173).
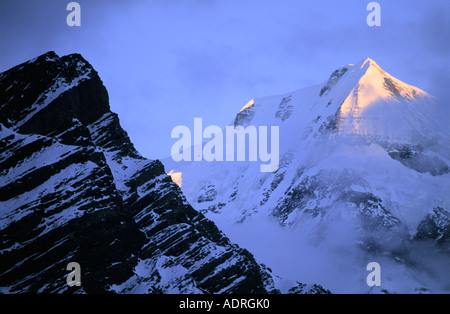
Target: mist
point(338, 257)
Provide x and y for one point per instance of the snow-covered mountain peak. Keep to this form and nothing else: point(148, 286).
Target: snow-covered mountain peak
point(378, 83)
point(44, 82)
point(357, 100)
point(364, 168)
point(368, 62)
point(359, 106)
point(376, 104)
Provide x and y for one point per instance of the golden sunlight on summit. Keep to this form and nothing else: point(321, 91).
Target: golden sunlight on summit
point(176, 177)
point(248, 105)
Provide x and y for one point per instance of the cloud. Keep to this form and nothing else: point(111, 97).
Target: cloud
point(163, 62)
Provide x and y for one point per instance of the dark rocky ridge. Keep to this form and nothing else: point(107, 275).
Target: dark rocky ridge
point(74, 189)
point(436, 227)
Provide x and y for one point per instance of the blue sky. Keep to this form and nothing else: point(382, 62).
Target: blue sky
point(165, 62)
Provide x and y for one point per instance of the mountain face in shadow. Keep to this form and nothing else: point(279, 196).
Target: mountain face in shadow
point(74, 189)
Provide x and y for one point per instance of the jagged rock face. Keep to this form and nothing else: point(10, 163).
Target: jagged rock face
point(48, 86)
point(334, 78)
point(308, 289)
point(244, 117)
point(74, 189)
point(435, 226)
point(285, 109)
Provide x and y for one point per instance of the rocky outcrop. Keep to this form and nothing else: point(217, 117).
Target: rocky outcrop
point(436, 227)
point(74, 189)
